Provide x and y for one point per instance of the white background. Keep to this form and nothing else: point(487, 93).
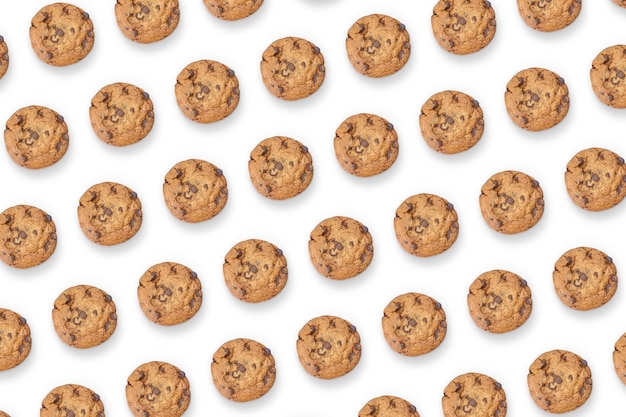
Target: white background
point(287, 224)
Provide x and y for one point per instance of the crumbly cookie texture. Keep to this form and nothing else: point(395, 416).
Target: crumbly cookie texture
point(232, 9)
point(147, 21)
point(549, 15)
point(473, 394)
point(15, 339)
point(607, 76)
point(388, 406)
point(619, 358)
point(72, 400)
point(4, 57)
point(463, 26)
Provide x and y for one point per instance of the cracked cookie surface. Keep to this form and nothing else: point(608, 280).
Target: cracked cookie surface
point(463, 26)
point(232, 9)
point(15, 339)
point(474, 394)
point(4, 57)
point(619, 358)
point(388, 406)
point(158, 389)
point(72, 400)
point(607, 74)
point(147, 21)
point(549, 15)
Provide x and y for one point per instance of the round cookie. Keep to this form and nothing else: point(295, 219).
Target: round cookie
point(550, 15)
point(559, 381)
point(584, 278)
point(255, 270)
point(366, 145)
point(463, 26)
point(451, 121)
point(619, 358)
point(621, 3)
point(340, 247)
point(169, 293)
point(595, 178)
point(207, 91)
point(4, 57)
point(158, 389)
point(328, 347)
point(414, 324)
point(426, 225)
point(3, 414)
point(473, 394)
point(28, 236)
point(536, 99)
point(84, 316)
point(499, 301)
point(121, 114)
point(61, 34)
point(232, 9)
point(388, 406)
point(292, 68)
point(36, 137)
point(71, 400)
point(280, 167)
point(15, 340)
point(109, 213)
point(147, 21)
point(607, 75)
point(511, 202)
point(195, 190)
point(378, 45)
point(243, 370)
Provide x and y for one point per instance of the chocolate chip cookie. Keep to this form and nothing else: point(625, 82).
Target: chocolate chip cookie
point(619, 358)
point(147, 21)
point(463, 26)
point(607, 75)
point(621, 3)
point(61, 34)
point(15, 340)
point(4, 57)
point(3, 414)
point(473, 394)
point(71, 400)
point(549, 15)
point(388, 406)
point(232, 9)
point(36, 137)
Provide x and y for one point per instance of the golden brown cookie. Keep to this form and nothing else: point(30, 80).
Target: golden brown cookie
point(499, 301)
point(378, 45)
point(232, 9)
point(584, 278)
point(195, 190)
point(280, 167)
point(426, 225)
point(4, 57)
point(463, 26)
point(71, 400)
point(451, 121)
point(15, 340)
point(619, 358)
point(559, 381)
point(474, 394)
point(292, 68)
point(121, 114)
point(207, 91)
point(340, 247)
point(595, 178)
point(607, 75)
point(328, 347)
point(388, 406)
point(147, 21)
point(536, 99)
point(414, 324)
point(109, 213)
point(84, 316)
point(366, 144)
point(549, 15)
point(28, 236)
point(169, 293)
point(255, 270)
point(3, 414)
point(36, 137)
point(621, 3)
point(158, 389)
point(511, 202)
point(61, 34)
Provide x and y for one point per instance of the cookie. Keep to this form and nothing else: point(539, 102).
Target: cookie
point(121, 114)
point(463, 26)
point(536, 99)
point(280, 167)
point(169, 293)
point(36, 137)
point(195, 190)
point(147, 21)
point(388, 406)
point(292, 68)
point(61, 34)
point(619, 358)
point(3, 414)
point(232, 9)
point(109, 213)
point(511, 202)
point(207, 91)
point(621, 3)
point(158, 389)
point(499, 301)
point(71, 400)
point(255, 270)
point(607, 76)
point(328, 347)
point(451, 121)
point(426, 225)
point(366, 144)
point(4, 57)
point(340, 247)
point(559, 381)
point(28, 236)
point(584, 278)
point(378, 45)
point(15, 341)
point(84, 316)
point(548, 16)
point(414, 324)
point(473, 394)
point(595, 178)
